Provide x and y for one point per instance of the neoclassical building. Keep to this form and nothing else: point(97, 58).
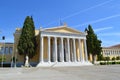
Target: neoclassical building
point(57, 46)
point(113, 51)
point(6, 51)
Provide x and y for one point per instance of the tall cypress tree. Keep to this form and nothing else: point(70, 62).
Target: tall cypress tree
point(26, 44)
point(93, 43)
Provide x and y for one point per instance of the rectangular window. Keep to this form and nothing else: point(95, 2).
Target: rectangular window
point(10, 50)
point(6, 50)
point(1, 50)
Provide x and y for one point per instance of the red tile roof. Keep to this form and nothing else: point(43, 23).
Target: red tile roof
point(115, 46)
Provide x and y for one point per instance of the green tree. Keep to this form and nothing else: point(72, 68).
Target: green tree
point(2, 58)
point(93, 44)
point(107, 58)
point(100, 57)
point(113, 58)
point(27, 42)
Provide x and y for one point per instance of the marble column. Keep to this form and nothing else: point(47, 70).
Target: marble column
point(80, 50)
point(62, 50)
point(49, 49)
point(68, 46)
point(85, 46)
point(74, 47)
point(71, 50)
point(41, 49)
point(65, 50)
point(55, 49)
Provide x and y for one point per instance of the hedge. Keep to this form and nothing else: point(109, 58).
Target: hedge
point(109, 63)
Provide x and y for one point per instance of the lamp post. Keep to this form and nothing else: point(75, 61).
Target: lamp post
point(12, 61)
point(1, 53)
point(3, 38)
point(16, 59)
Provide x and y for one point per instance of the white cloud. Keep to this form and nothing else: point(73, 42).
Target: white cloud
point(99, 20)
point(101, 29)
point(74, 14)
point(77, 13)
point(110, 34)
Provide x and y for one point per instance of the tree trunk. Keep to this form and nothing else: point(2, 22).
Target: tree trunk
point(88, 56)
point(93, 58)
point(24, 59)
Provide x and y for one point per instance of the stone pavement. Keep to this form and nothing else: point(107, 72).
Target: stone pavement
point(108, 72)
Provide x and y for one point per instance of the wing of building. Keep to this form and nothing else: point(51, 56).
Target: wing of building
point(57, 46)
point(112, 51)
point(6, 51)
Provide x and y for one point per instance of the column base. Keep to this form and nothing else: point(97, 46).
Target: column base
point(41, 62)
point(63, 64)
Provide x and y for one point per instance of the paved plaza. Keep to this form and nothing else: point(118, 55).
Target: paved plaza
point(107, 72)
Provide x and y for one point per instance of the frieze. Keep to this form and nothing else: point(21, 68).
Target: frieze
point(59, 34)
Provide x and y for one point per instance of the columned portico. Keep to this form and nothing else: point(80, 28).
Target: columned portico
point(62, 48)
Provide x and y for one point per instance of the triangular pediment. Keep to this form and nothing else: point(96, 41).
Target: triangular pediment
point(63, 29)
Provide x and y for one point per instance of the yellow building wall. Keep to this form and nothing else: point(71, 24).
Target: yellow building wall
point(8, 56)
point(90, 58)
point(45, 53)
point(17, 34)
point(77, 50)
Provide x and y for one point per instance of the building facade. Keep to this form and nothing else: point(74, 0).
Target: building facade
point(58, 46)
point(6, 51)
point(113, 51)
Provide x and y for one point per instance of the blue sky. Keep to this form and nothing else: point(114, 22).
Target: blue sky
point(103, 15)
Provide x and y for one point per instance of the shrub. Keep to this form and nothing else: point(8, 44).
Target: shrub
point(118, 58)
point(109, 63)
point(107, 58)
point(102, 63)
point(4, 58)
point(113, 58)
point(100, 57)
point(114, 62)
point(117, 63)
